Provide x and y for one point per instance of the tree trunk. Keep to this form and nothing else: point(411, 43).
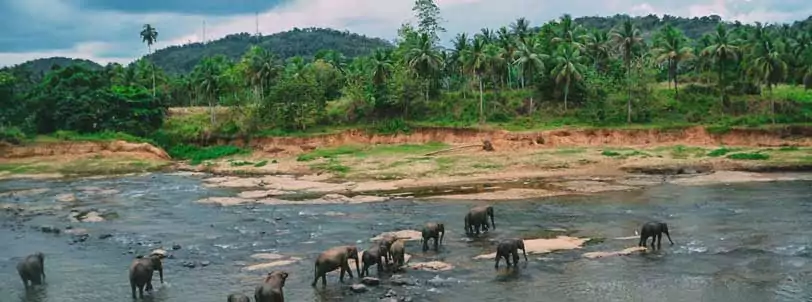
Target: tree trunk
point(427, 90)
point(508, 76)
point(481, 102)
point(149, 49)
point(721, 81)
point(566, 93)
point(211, 110)
point(676, 87)
point(772, 101)
point(629, 87)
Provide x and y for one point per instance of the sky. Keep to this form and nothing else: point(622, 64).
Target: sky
point(108, 30)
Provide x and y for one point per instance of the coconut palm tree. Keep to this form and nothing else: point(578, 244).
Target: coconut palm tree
point(768, 67)
point(529, 61)
point(149, 35)
point(598, 49)
point(520, 29)
point(672, 48)
point(723, 47)
point(381, 66)
point(424, 60)
point(476, 62)
point(568, 68)
point(627, 37)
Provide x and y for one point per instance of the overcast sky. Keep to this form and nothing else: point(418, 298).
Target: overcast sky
point(107, 30)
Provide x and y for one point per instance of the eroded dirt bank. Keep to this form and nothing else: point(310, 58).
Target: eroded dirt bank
point(144, 150)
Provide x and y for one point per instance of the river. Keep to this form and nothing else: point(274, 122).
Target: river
point(742, 242)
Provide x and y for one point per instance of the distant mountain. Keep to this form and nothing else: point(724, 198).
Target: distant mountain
point(297, 42)
point(42, 66)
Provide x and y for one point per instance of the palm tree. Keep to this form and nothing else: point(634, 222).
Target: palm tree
point(723, 47)
point(424, 59)
point(529, 61)
point(672, 49)
point(520, 28)
point(149, 35)
point(461, 44)
point(476, 62)
point(209, 77)
point(568, 68)
point(626, 37)
point(597, 48)
point(508, 45)
point(767, 66)
point(381, 66)
point(567, 31)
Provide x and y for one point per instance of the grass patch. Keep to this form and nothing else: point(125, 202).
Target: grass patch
point(719, 152)
point(240, 163)
point(445, 163)
point(370, 151)
point(610, 153)
point(789, 148)
point(683, 152)
point(21, 168)
point(261, 164)
point(196, 154)
point(749, 156)
point(328, 153)
point(105, 136)
point(332, 165)
point(486, 166)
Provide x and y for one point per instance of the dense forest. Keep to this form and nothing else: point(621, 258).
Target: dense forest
point(598, 72)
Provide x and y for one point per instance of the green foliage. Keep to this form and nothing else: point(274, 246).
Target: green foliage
point(104, 136)
point(328, 153)
point(332, 165)
point(610, 153)
point(11, 134)
point(719, 152)
point(261, 164)
point(749, 156)
point(196, 154)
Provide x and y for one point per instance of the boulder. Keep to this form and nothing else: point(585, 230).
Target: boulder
point(358, 288)
point(623, 252)
point(371, 281)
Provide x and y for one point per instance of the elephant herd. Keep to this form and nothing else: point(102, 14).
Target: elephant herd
point(389, 248)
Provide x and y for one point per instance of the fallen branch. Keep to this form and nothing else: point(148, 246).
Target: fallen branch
point(452, 149)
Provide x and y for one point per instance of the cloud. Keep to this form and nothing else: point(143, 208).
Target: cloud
point(107, 30)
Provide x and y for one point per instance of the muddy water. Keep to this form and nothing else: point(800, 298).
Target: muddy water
point(746, 242)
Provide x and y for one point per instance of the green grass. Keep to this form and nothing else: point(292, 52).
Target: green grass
point(361, 151)
point(196, 154)
point(719, 152)
point(749, 156)
point(683, 152)
point(486, 166)
point(105, 136)
point(789, 148)
point(332, 165)
point(261, 164)
point(610, 153)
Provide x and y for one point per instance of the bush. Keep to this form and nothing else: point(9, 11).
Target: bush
point(197, 154)
point(11, 134)
point(748, 156)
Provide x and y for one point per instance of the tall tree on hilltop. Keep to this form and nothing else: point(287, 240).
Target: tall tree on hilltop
point(428, 19)
point(149, 35)
point(627, 37)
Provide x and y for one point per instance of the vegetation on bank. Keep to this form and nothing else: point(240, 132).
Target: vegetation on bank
point(588, 72)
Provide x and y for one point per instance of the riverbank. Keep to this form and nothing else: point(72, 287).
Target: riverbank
point(449, 163)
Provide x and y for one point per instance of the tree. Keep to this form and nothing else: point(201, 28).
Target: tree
point(529, 62)
point(424, 60)
point(598, 49)
point(672, 49)
point(149, 35)
point(627, 37)
point(723, 47)
point(568, 68)
point(767, 66)
point(210, 80)
point(428, 16)
point(476, 62)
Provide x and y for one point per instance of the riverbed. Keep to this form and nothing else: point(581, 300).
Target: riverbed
point(736, 242)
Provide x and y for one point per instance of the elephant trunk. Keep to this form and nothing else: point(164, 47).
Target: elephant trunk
point(524, 251)
point(493, 223)
point(357, 266)
point(669, 237)
point(161, 274)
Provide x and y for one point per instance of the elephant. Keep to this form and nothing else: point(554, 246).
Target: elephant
point(32, 269)
point(238, 298)
point(334, 258)
point(654, 230)
point(435, 231)
point(478, 217)
point(510, 247)
point(141, 271)
point(372, 256)
point(398, 253)
point(271, 289)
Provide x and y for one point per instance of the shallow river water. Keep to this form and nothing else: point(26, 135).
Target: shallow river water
point(744, 242)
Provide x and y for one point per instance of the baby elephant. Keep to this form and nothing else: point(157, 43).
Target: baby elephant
point(654, 230)
point(238, 298)
point(510, 247)
point(435, 231)
point(398, 254)
point(32, 269)
point(141, 273)
point(372, 256)
point(271, 289)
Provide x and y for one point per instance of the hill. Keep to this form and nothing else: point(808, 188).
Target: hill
point(297, 42)
point(43, 65)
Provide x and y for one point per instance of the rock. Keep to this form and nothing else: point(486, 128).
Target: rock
point(432, 266)
point(80, 238)
point(67, 197)
point(402, 234)
point(50, 229)
point(28, 192)
point(76, 231)
point(105, 236)
point(388, 300)
point(264, 266)
point(371, 281)
point(358, 288)
point(176, 247)
point(91, 216)
point(627, 251)
point(406, 299)
point(401, 281)
point(542, 246)
point(391, 293)
point(267, 256)
point(205, 263)
point(189, 264)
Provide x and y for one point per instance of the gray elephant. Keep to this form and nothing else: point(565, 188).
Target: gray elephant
point(433, 230)
point(334, 258)
point(654, 230)
point(398, 254)
point(238, 298)
point(510, 247)
point(141, 271)
point(478, 218)
point(372, 256)
point(32, 269)
point(271, 289)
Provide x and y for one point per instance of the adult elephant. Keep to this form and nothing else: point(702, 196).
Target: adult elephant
point(510, 247)
point(477, 218)
point(654, 229)
point(238, 298)
point(32, 269)
point(433, 230)
point(271, 289)
point(334, 258)
point(373, 256)
point(141, 271)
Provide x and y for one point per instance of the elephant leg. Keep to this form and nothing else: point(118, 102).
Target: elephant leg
point(149, 286)
point(324, 279)
point(515, 258)
point(341, 276)
point(659, 241)
point(426, 243)
point(436, 244)
point(653, 241)
point(36, 280)
point(642, 241)
point(498, 257)
point(141, 291)
point(132, 287)
point(477, 229)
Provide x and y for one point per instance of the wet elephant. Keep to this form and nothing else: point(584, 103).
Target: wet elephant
point(433, 230)
point(372, 256)
point(334, 258)
point(141, 271)
point(271, 289)
point(32, 269)
point(508, 248)
point(398, 254)
point(478, 218)
point(654, 229)
point(238, 298)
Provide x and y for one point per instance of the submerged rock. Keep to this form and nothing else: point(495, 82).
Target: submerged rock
point(371, 281)
point(50, 229)
point(542, 246)
point(623, 252)
point(432, 266)
point(358, 288)
point(402, 234)
point(28, 192)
